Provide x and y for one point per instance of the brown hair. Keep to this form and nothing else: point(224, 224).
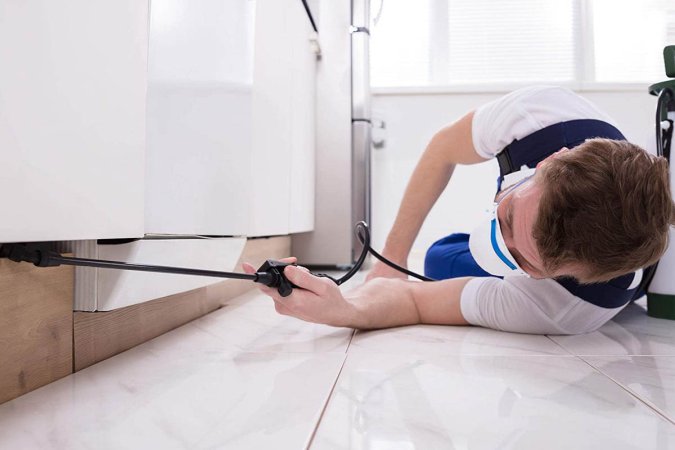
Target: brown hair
point(606, 205)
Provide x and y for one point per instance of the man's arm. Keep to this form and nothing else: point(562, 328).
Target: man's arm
point(450, 146)
point(380, 303)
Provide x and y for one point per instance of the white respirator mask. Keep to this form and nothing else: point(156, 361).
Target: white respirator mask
point(486, 242)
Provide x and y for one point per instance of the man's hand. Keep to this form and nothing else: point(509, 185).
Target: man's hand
point(381, 270)
point(316, 299)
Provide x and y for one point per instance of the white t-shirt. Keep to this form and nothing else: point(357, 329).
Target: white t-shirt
point(518, 303)
point(522, 112)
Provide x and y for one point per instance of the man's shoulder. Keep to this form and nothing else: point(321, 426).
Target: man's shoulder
point(524, 111)
point(549, 99)
point(542, 90)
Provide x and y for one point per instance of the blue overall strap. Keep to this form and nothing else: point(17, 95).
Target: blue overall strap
point(537, 146)
point(611, 294)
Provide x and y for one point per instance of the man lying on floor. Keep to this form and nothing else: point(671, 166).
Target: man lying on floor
point(562, 252)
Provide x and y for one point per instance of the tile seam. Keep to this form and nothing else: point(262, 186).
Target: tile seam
point(330, 394)
point(630, 392)
point(310, 441)
point(559, 345)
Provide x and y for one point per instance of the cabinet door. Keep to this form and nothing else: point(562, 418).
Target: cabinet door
point(303, 123)
point(230, 118)
point(269, 193)
point(199, 117)
point(282, 172)
point(72, 119)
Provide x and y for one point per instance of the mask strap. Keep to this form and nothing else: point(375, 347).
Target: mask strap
point(495, 246)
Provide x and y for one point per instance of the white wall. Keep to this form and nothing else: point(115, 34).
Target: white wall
point(412, 119)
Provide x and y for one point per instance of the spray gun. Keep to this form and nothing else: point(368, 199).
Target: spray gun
point(271, 273)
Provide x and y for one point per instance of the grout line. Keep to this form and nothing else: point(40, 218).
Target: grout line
point(325, 405)
point(558, 344)
point(645, 402)
point(351, 338)
point(330, 394)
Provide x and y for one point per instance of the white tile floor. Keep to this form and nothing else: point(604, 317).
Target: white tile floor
point(245, 377)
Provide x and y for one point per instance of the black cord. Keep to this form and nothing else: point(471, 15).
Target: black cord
point(363, 233)
point(42, 256)
point(270, 274)
point(147, 268)
point(365, 240)
point(399, 268)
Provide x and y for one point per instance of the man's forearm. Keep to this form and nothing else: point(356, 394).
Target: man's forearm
point(425, 186)
point(391, 302)
point(450, 146)
point(382, 303)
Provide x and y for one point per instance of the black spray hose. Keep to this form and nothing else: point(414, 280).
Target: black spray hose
point(285, 287)
point(43, 257)
point(271, 273)
point(363, 233)
point(275, 269)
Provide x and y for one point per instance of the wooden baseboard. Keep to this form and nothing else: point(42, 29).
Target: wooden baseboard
point(36, 326)
point(100, 335)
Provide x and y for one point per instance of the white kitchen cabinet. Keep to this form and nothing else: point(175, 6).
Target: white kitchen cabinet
point(303, 123)
point(230, 118)
point(199, 116)
point(72, 119)
point(283, 120)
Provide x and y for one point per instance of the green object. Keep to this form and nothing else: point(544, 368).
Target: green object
point(654, 89)
point(669, 63)
point(661, 306)
point(669, 60)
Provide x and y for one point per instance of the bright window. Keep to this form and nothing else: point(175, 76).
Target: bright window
point(459, 42)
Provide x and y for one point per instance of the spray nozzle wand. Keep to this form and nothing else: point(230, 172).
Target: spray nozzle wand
point(271, 273)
